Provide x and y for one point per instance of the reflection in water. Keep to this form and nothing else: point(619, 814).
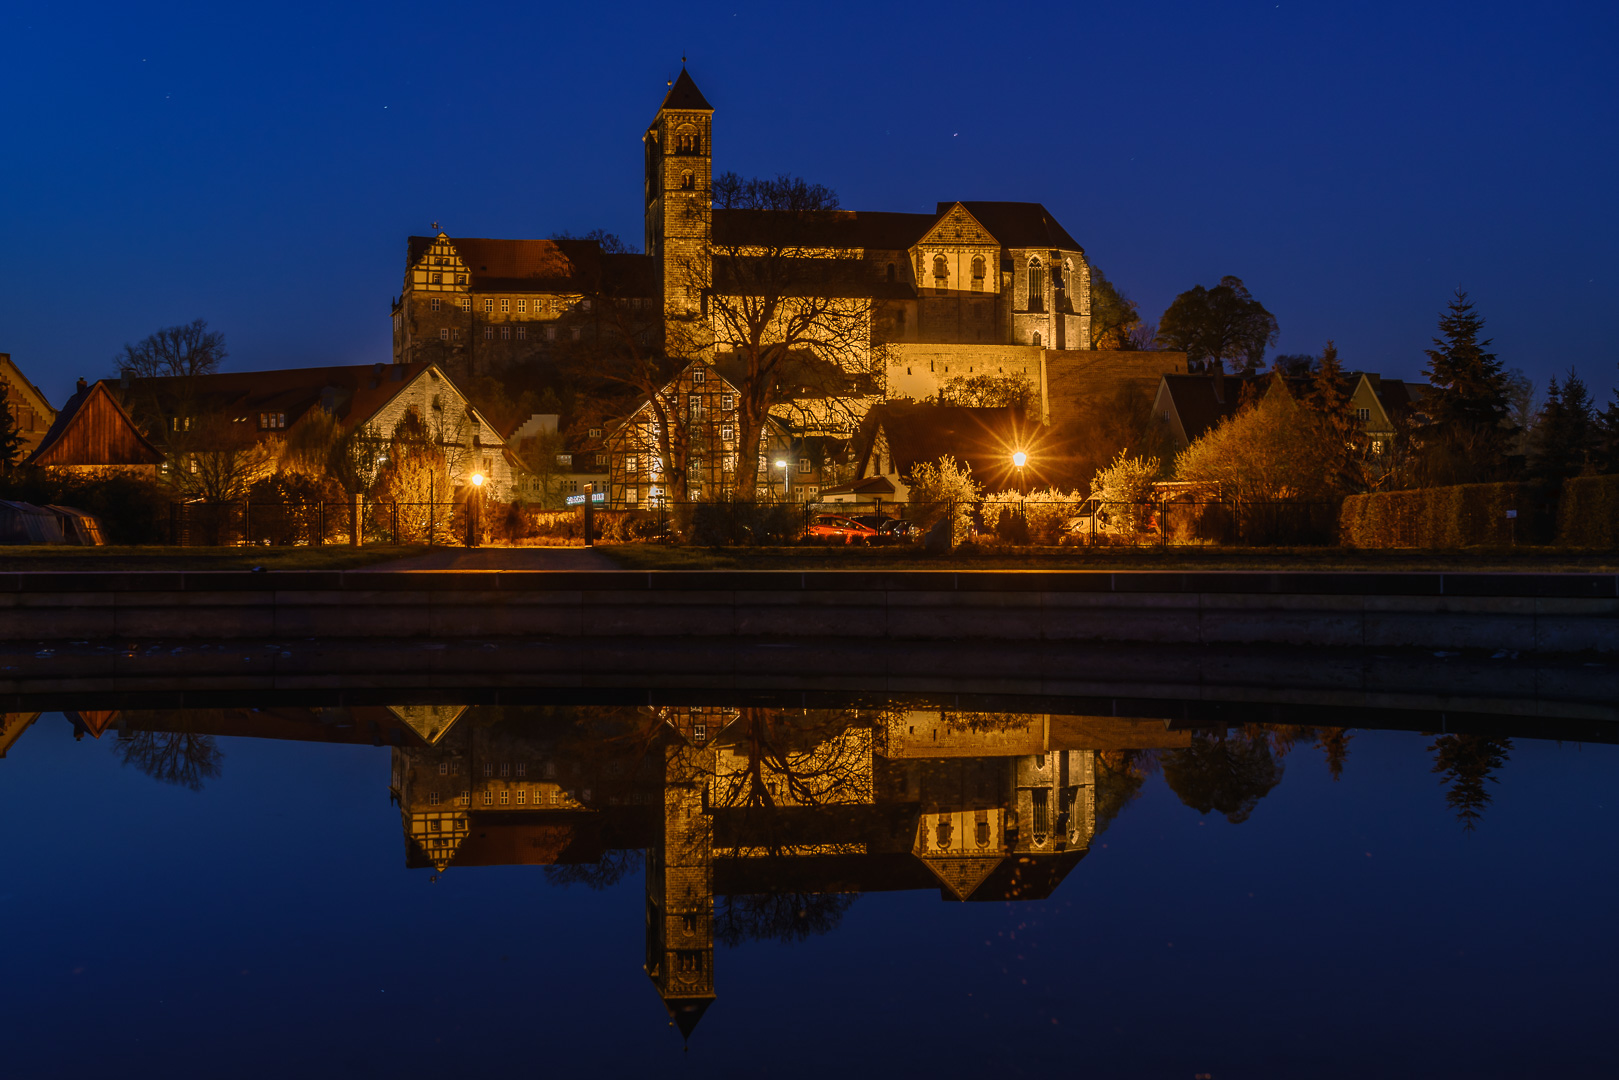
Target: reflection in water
point(763, 823)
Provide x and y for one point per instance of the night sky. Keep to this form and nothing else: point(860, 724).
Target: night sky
point(260, 167)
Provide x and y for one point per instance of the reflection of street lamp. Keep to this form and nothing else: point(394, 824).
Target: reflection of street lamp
point(472, 509)
point(782, 465)
point(1020, 459)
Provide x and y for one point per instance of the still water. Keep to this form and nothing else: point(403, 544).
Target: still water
point(732, 890)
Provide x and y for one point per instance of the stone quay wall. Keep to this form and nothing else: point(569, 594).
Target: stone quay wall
point(1534, 613)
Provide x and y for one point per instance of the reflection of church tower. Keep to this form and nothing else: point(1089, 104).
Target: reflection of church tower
point(679, 168)
point(680, 891)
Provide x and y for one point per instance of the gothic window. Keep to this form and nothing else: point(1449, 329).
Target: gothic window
point(978, 272)
point(1042, 815)
point(941, 271)
point(1036, 341)
point(1037, 286)
point(943, 838)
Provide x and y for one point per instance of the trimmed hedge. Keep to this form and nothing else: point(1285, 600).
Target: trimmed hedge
point(1463, 515)
point(1588, 513)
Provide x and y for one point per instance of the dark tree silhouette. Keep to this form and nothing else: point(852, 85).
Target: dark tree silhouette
point(1567, 435)
point(1227, 772)
point(1119, 777)
point(1469, 404)
point(172, 757)
point(1212, 326)
point(783, 917)
point(1114, 316)
point(192, 349)
point(10, 435)
point(608, 871)
point(1466, 763)
point(1334, 743)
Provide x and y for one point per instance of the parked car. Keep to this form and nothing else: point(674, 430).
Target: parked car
point(900, 529)
point(831, 527)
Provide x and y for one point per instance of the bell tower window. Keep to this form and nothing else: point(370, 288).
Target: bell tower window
point(687, 181)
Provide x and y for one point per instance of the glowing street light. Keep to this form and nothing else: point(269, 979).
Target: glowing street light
point(782, 465)
point(477, 478)
point(1020, 459)
point(472, 510)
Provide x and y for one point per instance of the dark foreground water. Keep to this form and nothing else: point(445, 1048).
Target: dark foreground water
point(899, 891)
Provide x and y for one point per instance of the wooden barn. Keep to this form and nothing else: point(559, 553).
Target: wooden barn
point(94, 435)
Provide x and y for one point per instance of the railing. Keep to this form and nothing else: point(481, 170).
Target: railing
point(998, 520)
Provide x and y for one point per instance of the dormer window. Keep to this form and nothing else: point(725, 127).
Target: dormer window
point(595, 433)
point(271, 421)
point(699, 376)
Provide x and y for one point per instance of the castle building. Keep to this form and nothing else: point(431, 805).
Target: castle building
point(970, 288)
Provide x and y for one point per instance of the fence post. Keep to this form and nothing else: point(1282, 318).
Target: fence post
point(354, 520)
point(247, 522)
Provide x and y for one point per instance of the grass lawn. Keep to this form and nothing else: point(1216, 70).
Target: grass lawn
point(1523, 560)
point(326, 557)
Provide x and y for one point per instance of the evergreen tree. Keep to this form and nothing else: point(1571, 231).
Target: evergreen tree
point(1566, 434)
point(1608, 437)
point(1468, 406)
point(1343, 434)
point(10, 434)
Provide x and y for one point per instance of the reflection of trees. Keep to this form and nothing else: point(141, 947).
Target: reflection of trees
point(783, 917)
point(172, 757)
point(1465, 762)
point(1119, 776)
point(1334, 743)
point(606, 872)
point(1228, 772)
point(776, 759)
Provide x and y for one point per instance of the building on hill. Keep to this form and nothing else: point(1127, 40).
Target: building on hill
point(962, 290)
point(29, 407)
point(174, 426)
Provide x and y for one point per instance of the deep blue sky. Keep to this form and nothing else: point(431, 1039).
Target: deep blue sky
point(262, 166)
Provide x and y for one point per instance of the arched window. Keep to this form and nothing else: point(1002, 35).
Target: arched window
point(978, 271)
point(1037, 286)
point(941, 271)
point(942, 837)
point(686, 180)
point(891, 272)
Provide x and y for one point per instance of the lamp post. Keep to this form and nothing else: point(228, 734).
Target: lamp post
point(474, 497)
point(1020, 459)
point(782, 465)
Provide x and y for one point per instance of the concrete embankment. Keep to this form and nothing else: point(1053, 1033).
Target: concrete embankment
point(1529, 613)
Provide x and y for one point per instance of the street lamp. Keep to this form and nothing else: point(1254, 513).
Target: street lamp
point(782, 465)
point(472, 509)
point(1020, 459)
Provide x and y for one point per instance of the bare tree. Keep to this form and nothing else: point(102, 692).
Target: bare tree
point(783, 309)
point(174, 351)
point(172, 757)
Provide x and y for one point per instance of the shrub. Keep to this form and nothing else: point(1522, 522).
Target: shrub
point(944, 488)
point(1041, 517)
point(1125, 491)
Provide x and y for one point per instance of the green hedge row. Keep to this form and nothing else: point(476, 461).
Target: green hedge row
point(1588, 512)
point(1463, 515)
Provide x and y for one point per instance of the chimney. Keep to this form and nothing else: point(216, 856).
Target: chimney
point(83, 386)
point(124, 375)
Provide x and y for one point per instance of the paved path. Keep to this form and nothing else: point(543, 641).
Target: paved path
point(500, 558)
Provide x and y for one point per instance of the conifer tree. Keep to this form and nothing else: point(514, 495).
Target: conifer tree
point(10, 434)
point(1566, 435)
point(1328, 397)
point(1469, 401)
point(1608, 437)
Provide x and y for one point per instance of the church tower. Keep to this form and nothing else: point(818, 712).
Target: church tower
point(679, 176)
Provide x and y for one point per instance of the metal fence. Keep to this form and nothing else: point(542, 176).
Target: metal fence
point(738, 524)
point(310, 524)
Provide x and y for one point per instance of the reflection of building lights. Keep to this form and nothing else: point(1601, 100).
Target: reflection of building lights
point(477, 479)
point(1020, 459)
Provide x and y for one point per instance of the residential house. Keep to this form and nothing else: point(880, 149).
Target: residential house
point(29, 408)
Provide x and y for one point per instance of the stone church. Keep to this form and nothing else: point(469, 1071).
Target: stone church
point(972, 288)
